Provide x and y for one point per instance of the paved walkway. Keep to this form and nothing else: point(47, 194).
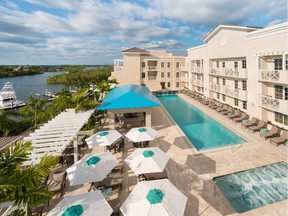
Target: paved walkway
point(192, 171)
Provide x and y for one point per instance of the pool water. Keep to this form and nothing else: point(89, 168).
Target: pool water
point(202, 131)
point(255, 188)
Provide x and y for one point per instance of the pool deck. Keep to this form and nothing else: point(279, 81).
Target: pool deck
point(192, 171)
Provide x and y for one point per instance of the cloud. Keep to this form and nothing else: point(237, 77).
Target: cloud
point(94, 31)
point(274, 22)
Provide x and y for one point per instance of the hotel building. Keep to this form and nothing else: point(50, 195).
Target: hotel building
point(242, 66)
point(156, 69)
point(245, 67)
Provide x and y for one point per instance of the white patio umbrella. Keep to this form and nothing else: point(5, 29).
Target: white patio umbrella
point(92, 203)
point(91, 168)
point(141, 134)
point(158, 197)
point(103, 138)
point(147, 160)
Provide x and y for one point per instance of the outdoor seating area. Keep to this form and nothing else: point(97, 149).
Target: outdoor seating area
point(102, 171)
point(275, 134)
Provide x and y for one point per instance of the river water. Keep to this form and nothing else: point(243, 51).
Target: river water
point(25, 86)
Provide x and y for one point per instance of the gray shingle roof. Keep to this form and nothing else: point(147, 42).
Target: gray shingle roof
point(135, 49)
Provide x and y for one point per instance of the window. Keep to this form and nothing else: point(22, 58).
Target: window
point(143, 64)
point(177, 74)
point(236, 102)
point(223, 97)
point(143, 75)
point(281, 118)
point(177, 64)
point(286, 63)
point(217, 80)
point(168, 64)
point(243, 64)
point(162, 74)
point(177, 84)
point(168, 84)
point(198, 63)
point(217, 64)
point(278, 92)
point(168, 74)
point(245, 105)
point(162, 64)
point(236, 84)
point(236, 64)
point(244, 85)
point(224, 82)
point(223, 64)
point(218, 95)
point(286, 94)
point(277, 64)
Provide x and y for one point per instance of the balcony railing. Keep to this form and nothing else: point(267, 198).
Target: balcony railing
point(197, 82)
point(215, 71)
point(229, 72)
point(197, 69)
point(269, 102)
point(152, 67)
point(152, 77)
point(215, 87)
point(231, 92)
point(279, 76)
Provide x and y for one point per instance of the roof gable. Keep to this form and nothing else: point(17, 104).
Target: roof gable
point(230, 27)
point(135, 50)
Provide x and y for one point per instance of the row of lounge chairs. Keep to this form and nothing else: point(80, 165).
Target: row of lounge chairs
point(255, 125)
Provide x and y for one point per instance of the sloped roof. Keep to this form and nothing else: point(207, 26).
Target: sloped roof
point(233, 27)
point(135, 49)
point(128, 97)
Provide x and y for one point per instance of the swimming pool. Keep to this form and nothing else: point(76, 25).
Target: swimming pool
point(255, 188)
point(203, 131)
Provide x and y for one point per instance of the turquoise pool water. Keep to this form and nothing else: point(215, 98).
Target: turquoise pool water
point(255, 188)
point(203, 131)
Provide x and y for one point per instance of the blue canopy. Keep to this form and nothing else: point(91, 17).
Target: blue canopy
point(128, 97)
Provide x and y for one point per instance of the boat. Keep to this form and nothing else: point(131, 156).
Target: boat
point(8, 99)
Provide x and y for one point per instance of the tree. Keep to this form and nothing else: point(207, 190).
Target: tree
point(84, 100)
point(22, 185)
point(7, 124)
point(34, 110)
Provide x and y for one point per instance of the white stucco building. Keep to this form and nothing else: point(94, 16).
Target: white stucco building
point(245, 67)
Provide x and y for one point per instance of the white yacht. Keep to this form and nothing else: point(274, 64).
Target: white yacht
point(8, 99)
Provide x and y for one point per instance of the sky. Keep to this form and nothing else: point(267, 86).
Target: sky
point(93, 32)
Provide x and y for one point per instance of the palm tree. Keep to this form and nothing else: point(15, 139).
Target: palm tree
point(84, 100)
point(34, 109)
point(21, 185)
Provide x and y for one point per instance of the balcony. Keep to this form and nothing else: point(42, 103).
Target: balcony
point(151, 78)
point(214, 71)
point(197, 82)
point(273, 104)
point(229, 72)
point(215, 87)
point(197, 69)
point(184, 68)
point(276, 76)
point(235, 93)
point(152, 68)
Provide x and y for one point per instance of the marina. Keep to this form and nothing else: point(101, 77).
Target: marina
point(8, 99)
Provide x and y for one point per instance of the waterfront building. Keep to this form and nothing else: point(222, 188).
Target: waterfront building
point(156, 69)
point(244, 67)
